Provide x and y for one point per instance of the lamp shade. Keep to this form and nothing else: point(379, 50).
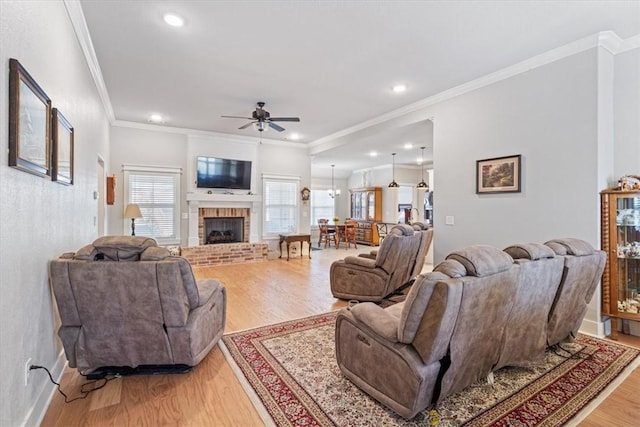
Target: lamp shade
point(132, 211)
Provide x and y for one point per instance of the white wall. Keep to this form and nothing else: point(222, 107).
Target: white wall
point(290, 159)
point(40, 219)
point(147, 147)
point(154, 146)
point(627, 113)
point(381, 177)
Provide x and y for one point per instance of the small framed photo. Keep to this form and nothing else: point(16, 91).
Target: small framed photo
point(498, 175)
point(29, 123)
point(62, 149)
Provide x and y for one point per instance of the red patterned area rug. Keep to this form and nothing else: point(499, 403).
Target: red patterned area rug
point(290, 372)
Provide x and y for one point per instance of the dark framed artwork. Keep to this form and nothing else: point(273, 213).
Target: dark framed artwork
point(498, 175)
point(62, 149)
point(29, 123)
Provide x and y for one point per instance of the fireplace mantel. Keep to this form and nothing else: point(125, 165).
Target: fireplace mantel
point(204, 197)
point(204, 200)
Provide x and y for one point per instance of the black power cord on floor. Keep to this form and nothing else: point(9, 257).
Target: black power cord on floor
point(83, 390)
point(568, 354)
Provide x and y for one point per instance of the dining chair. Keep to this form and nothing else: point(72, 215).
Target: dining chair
point(326, 235)
point(349, 234)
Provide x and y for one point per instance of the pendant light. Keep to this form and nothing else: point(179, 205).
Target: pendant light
point(422, 184)
point(393, 183)
point(333, 192)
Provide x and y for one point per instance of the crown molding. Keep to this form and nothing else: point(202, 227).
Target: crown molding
point(630, 44)
point(606, 39)
point(74, 10)
point(205, 134)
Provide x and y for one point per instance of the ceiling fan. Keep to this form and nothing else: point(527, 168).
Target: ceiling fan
point(263, 120)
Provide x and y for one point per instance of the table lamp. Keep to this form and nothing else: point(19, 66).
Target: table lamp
point(133, 211)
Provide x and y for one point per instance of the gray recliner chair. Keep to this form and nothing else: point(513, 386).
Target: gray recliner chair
point(371, 277)
point(125, 302)
point(583, 269)
point(437, 341)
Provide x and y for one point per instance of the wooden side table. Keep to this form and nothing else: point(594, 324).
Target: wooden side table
point(290, 238)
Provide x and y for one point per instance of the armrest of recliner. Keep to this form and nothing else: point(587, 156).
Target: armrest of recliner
point(379, 320)
point(361, 261)
point(371, 255)
point(206, 288)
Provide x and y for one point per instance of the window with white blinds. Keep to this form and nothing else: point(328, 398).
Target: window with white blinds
point(157, 193)
point(321, 205)
point(280, 197)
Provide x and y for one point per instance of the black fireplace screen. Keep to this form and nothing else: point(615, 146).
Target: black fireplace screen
point(223, 230)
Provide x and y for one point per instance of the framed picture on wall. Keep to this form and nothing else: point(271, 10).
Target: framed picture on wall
point(62, 149)
point(29, 123)
point(498, 175)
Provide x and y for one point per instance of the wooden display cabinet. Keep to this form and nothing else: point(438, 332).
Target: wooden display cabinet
point(366, 204)
point(366, 208)
point(621, 242)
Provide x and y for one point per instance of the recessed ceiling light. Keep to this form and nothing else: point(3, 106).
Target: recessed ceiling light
point(155, 118)
point(408, 146)
point(373, 154)
point(173, 19)
point(399, 88)
point(294, 137)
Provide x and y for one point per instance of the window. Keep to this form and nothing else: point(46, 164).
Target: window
point(280, 205)
point(156, 190)
point(321, 206)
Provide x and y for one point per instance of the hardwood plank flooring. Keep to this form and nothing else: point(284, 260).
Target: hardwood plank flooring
point(211, 395)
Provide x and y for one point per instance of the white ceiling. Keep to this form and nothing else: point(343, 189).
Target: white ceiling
point(331, 63)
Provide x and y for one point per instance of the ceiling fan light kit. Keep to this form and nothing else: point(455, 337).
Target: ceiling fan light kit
point(261, 119)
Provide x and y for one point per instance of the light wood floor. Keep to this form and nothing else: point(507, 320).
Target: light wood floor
point(257, 294)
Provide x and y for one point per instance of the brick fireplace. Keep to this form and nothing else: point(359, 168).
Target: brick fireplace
point(207, 214)
point(223, 206)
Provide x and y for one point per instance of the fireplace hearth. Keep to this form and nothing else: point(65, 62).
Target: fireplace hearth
point(219, 230)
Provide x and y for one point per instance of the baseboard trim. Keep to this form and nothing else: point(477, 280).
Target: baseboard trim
point(593, 328)
point(41, 404)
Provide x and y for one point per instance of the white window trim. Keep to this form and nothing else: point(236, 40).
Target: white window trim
point(325, 188)
point(169, 170)
point(285, 178)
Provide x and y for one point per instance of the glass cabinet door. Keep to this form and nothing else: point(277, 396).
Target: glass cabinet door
point(371, 205)
point(628, 254)
point(358, 206)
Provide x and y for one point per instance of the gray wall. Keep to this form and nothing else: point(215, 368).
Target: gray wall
point(40, 219)
point(548, 116)
point(559, 117)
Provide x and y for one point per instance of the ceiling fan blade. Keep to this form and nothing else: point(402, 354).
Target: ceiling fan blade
point(285, 119)
point(276, 127)
point(237, 117)
point(246, 126)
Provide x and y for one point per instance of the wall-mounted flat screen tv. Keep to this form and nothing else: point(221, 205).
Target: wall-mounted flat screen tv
point(214, 172)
